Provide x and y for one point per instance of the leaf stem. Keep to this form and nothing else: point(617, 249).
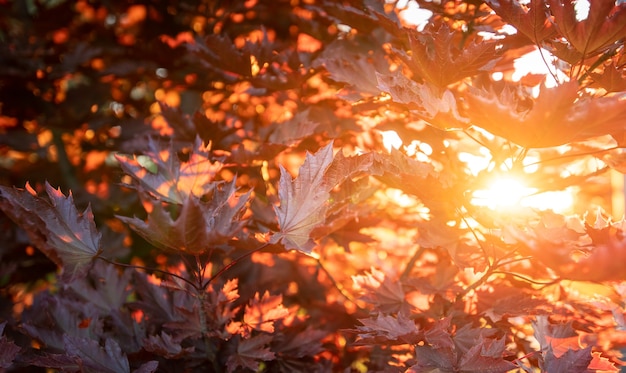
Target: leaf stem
point(231, 264)
point(148, 269)
point(409, 266)
point(528, 279)
point(337, 286)
point(209, 349)
point(490, 270)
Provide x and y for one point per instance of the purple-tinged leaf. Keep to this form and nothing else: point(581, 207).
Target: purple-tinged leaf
point(572, 361)
point(149, 367)
point(109, 290)
point(162, 175)
point(303, 201)
point(305, 343)
point(69, 238)
point(62, 362)
point(200, 226)
point(165, 345)
point(8, 349)
point(94, 357)
point(250, 352)
point(154, 300)
point(388, 328)
point(480, 358)
point(50, 318)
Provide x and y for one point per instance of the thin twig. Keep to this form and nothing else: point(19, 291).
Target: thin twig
point(231, 264)
point(148, 269)
point(482, 248)
point(337, 286)
point(527, 279)
point(409, 266)
point(591, 152)
point(476, 284)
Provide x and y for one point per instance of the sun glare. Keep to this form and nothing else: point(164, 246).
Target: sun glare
point(508, 192)
point(502, 193)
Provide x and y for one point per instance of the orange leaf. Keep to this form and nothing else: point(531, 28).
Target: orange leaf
point(557, 116)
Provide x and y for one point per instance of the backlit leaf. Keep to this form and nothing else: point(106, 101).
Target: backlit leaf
point(199, 225)
point(557, 116)
point(67, 237)
point(262, 312)
point(436, 58)
point(303, 201)
point(165, 177)
point(530, 18)
point(605, 23)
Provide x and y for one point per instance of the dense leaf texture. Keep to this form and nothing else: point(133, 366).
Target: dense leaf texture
point(392, 248)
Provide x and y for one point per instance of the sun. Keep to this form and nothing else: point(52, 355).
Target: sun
point(502, 192)
point(510, 192)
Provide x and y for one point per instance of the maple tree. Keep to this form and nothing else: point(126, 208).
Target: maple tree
point(286, 186)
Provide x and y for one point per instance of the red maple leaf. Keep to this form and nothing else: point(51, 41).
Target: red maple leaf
point(555, 117)
point(612, 79)
point(604, 25)
point(602, 364)
point(436, 59)
point(530, 19)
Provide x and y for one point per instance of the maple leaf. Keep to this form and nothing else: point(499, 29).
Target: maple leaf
point(262, 312)
point(299, 345)
point(8, 349)
point(250, 352)
point(199, 225)
point(165, 345)
point(604, 25)
point(303, 201)
point(68, 238)
point(110, 293)
point(531, 19)
point(486, 357)
point(295, 129)
point(380, 290)
point(161, 174)
point(387, 328)
point(602, 364)
point(93, 357)
point(352, 64)
point(438, 108)
point(574, 361)
point(612, 79)
point(221, 55)
point(557, 116)
point(435, 59)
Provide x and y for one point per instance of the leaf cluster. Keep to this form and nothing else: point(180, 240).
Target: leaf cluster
point(237, 205)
